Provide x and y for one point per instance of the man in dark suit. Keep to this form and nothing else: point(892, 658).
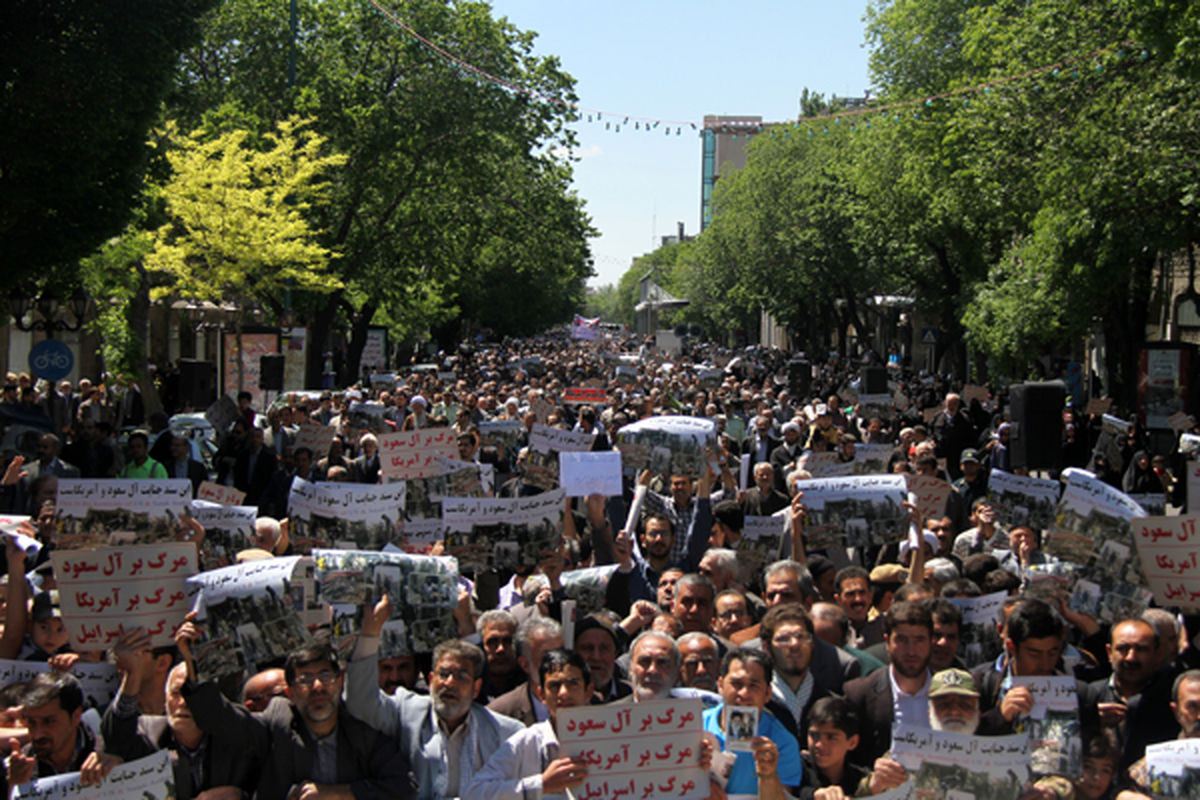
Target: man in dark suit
point(783, 456)
point(365, 468)
point(131, 735)
point(760, 444)
point(182, 465)
point(1135, 701)
point(763, 499)
point(908, 631)
point(254, 467)
point(535, 636)
point(48, 462)
point(806, 668)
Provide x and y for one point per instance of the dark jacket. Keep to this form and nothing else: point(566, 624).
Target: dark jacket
point(1148, 717)
point(872, 699)
point(370, 762)
point(137, 736)
point(852, 776)
point(256, 483)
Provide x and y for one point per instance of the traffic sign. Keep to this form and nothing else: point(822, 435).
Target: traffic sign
point(51, 360)
point(929, 335)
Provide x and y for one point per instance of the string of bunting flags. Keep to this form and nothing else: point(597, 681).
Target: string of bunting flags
point(614, 121)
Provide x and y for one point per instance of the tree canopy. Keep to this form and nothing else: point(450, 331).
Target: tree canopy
point(81, 84)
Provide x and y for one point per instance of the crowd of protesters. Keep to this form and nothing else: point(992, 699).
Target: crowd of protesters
point(834, 649)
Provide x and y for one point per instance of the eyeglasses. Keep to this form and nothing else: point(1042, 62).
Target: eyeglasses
point(460, 675)
point(733, 612)
point(308, 679)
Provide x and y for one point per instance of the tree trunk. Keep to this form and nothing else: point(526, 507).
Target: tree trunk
point(318, 338)
point(139, 321)
point(358, 340)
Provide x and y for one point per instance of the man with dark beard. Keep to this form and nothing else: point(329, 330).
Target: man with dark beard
point(309, 746)
point(898, 695)
point(448, 737)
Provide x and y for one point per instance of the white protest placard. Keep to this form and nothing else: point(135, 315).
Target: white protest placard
point(420, 535)
point(149, 778)
point(350, 516)
point(101, 511)
point(875, 405)
point(1097, 406)
point(761, 540)
point(639, 750)
point(1052, 724)
point(414, 454)
point(1173, 768)
point(871, 459)
point(587, 588)
point(1092, 527)
point(862, 510)
point(503, 532)
point(541, 459)
point(980, 638)
point(1168, 547)
point(98, 681)
point(1022, 499)
point(995, 767)
point(251, 614)
point(931, 495)
point(316, 438)
point(221, 495)
point(1153, 503)
point(582, 474)
point(668, 445)
point(541, 408)
point(227, 531)
point(820, 465)
point(423, 592)
point(107, 590)
point(222, 413)
point(973, 392)
point(744, 471)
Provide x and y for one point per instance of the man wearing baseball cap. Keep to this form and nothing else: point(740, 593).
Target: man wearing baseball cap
point(953, 702)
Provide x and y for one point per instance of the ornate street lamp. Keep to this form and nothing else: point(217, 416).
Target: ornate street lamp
point(48, 306)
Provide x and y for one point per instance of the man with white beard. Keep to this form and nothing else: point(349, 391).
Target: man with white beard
point(447, 736)
point(953, 702)
point(953, 708)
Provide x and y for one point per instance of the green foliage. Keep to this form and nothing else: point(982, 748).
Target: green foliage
point(80, 86)
point(1020, 217)
point(237, 215)
point(602, 302)
point(115, 272)
point(449, 211)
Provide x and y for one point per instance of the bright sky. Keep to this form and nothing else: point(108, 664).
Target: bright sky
point(679, 60)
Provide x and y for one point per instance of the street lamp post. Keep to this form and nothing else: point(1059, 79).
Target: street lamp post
point(48, 306)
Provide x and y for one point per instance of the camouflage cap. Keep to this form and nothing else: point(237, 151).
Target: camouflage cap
point(952, 681)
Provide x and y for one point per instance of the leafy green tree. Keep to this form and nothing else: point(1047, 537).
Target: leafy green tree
point(237, 224)
point(439, 166)
point(82, 83)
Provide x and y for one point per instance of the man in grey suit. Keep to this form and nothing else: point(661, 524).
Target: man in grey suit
point(447, 736)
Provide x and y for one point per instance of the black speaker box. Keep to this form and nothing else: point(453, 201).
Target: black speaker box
point(270, 372)
point(197, 383)
point(799, 372)
point(1037, 427)
point(874, 380)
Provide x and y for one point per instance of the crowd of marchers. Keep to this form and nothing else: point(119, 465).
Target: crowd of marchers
point(836, 648)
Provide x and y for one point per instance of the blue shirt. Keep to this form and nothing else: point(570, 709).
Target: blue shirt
point(743, 778)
